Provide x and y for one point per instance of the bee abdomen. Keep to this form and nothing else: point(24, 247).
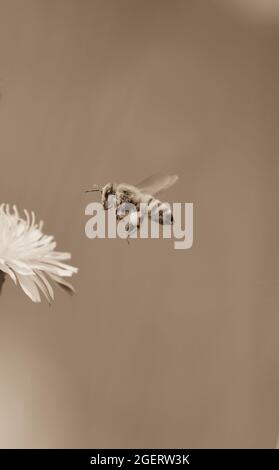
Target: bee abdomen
point(160, 211)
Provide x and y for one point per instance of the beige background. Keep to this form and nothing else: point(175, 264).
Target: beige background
point(159, 348)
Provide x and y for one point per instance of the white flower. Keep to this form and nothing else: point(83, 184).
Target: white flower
point(29, 257)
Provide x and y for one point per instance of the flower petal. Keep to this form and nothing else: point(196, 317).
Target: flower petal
point(29, 287)
point(64, 284)
point(29, 255)
point(7, 270)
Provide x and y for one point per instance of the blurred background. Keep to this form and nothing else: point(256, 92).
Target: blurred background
point(159, 348)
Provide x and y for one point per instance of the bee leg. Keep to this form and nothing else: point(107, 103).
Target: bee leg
point(127, 228)
point(128, 238)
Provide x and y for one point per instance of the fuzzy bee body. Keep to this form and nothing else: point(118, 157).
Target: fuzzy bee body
point(143, 193)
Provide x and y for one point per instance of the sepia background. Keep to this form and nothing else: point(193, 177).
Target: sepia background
point(159, 347)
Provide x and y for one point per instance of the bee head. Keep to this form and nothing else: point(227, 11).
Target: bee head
point(107, 191)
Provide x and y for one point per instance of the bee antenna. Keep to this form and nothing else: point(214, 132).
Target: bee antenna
point(97, 188)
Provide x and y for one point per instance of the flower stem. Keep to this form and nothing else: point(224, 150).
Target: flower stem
point(2, 279)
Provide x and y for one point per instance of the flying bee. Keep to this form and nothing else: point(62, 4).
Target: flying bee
point(142, 193)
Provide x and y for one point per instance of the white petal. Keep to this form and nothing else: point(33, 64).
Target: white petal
point(21, 268)
point(29, 287)
point(7, 270)
point(63, 283)
point(42, 287)
point(47, 284)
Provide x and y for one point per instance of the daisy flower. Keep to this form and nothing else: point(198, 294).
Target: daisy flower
point(29, 257)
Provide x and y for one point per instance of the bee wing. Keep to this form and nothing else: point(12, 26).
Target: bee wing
point(156, 183)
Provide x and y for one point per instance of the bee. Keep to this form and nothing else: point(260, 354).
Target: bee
point(142, 193)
